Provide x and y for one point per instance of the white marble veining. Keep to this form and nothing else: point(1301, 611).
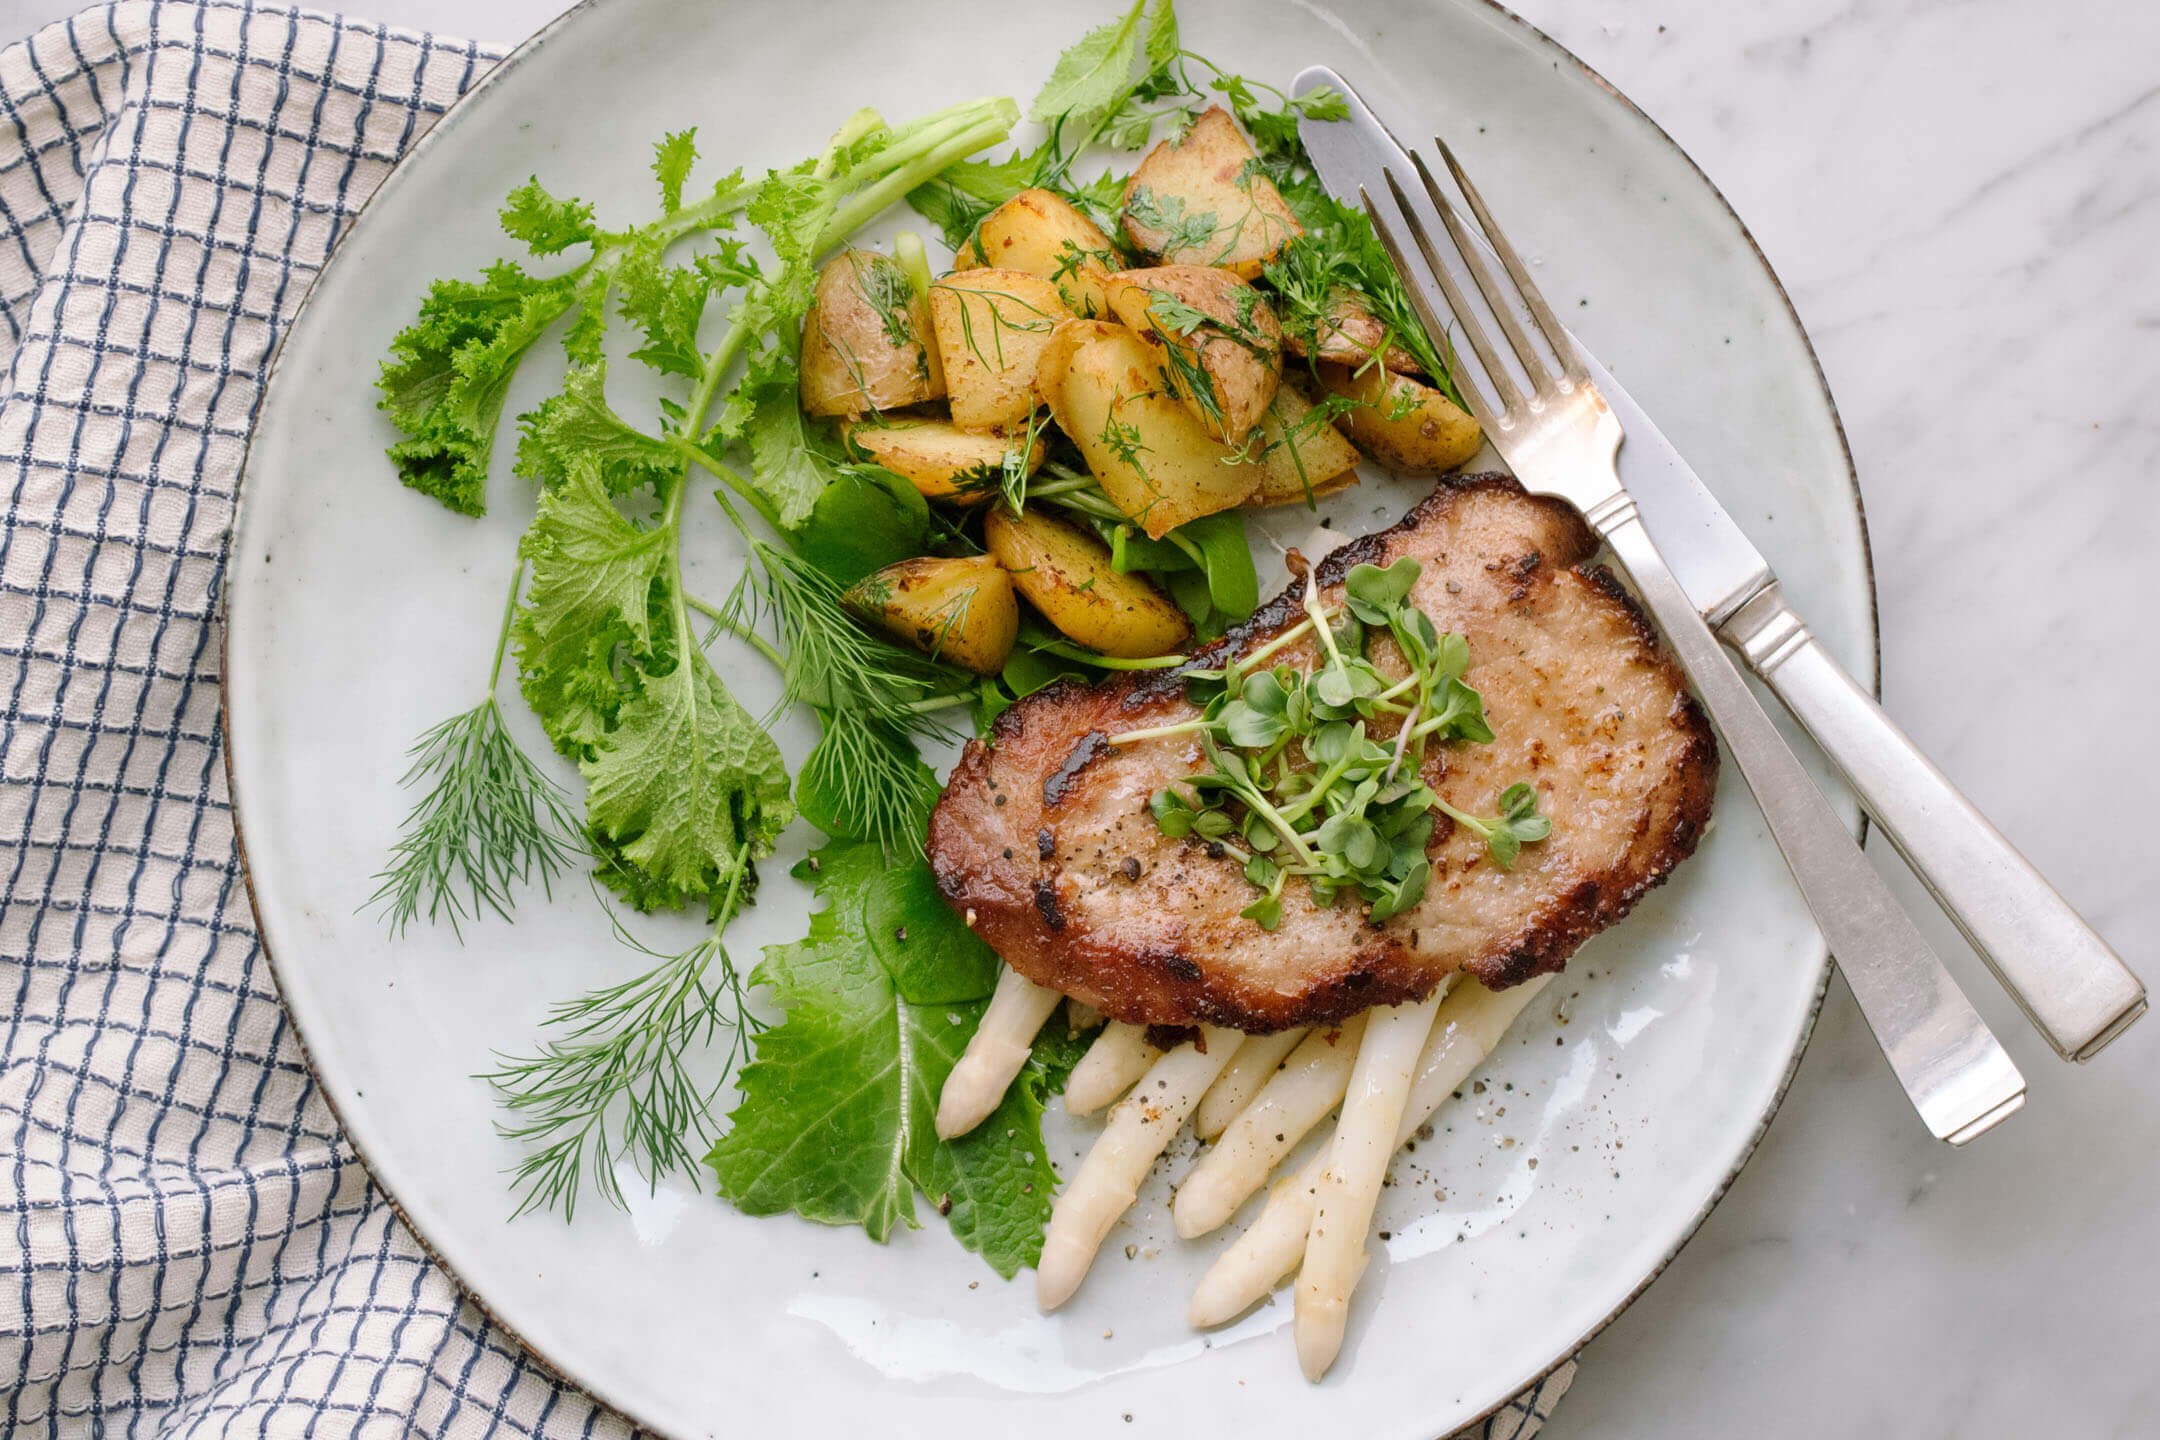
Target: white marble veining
point(1964, 201)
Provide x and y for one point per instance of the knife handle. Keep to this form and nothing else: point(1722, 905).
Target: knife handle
point(2075, 990)
point(1954, 1071)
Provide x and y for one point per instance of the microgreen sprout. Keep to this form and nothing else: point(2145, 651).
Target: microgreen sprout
point(1304, 779)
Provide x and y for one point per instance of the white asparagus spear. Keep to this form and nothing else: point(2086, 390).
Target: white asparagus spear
point(1109, 1178)
point(994, 1055)
point(1470, 1023)
point(1079, 1017)
point(1295, 1099)
point(1119, 1056)
point(1257, 1061)
point(1350, 1186)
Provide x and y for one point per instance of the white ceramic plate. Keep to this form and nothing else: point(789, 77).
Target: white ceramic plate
point(361, 612)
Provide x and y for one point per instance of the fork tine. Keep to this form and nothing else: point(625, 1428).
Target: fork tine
point(1434, 322)
point(1496, 372)
point(1555, 333)
point(1502, 304)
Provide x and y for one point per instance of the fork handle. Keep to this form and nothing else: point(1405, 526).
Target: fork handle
point(2073, 988)
point(1952, 1067)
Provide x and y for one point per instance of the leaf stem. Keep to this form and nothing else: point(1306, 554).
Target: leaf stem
point(743, 489)
point(716, 366)
point(1158, 732)
point(917, 163)
point(1247, 661)
point(945, 701)
point(1319, 617)
point(1100, 661)
point(502, 637)
point(745, 633)
point(702, 215)
point(1064, 484)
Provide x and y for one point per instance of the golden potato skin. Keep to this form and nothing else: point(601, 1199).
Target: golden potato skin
point(961, 611)
point(1065, 342)
point(937, 457)
point(1230, 364)
point(991, 328)
point(1151, 455)
point(1066, 574)
point(1045, 235)
point(1300, 451)
point(866, 339)
point(1347, 333)
point(1406, 425)
point(1206, 172)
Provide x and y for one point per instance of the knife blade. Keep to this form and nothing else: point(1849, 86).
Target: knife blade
point(2074, 989)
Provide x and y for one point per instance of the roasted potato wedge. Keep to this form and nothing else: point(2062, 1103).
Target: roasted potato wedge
point(866, 339)
point(1406, 425)
point(991, 327)
point(1224, 341)
point(1066, 573)
point(937, 457)
point(1200, 201)
point(1301, 450)
point(1152, 456)
point(1347, 332)
point(961, 611)
point(1065, 341)
point(1044, 235)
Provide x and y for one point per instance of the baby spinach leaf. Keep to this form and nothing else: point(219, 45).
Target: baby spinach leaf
point(866, 518)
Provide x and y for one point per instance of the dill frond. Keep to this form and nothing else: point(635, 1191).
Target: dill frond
point(489, 819)
point(832, 662)
point(488, 822)
point(864, 779)
point(609, 1081)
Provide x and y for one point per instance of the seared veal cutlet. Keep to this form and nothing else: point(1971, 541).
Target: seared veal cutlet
point(1044, 837)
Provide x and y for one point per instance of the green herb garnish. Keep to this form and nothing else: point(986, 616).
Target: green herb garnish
point(1300, 785)
point(611, 1077)
point(487, 822)
point(685, 790)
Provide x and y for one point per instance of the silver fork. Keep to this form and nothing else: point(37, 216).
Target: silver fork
point(1560, 438)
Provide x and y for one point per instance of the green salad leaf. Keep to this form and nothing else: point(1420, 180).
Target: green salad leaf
point(683, 781)
point(449, 371)
point(1093, 77)
point(1206, 562)
point(547, 225)
point(837, 1120)
point(593, 575)
point(579, 426)
point(956, 201)
point(673, 155)
point(790, 470)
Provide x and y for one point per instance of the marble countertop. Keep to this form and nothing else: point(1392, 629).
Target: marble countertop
point(1964, 201)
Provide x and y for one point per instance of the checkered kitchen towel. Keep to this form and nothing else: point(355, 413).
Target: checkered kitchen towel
point(187, 1246)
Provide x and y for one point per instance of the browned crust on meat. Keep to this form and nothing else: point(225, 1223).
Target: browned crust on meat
point(1010, 894)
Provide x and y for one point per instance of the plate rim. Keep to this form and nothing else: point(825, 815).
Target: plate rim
point(442, 128)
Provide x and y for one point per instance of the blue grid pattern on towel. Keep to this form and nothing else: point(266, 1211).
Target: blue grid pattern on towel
point(187, 1246)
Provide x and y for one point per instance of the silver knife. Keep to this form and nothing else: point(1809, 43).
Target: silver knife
point(2076, 991)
